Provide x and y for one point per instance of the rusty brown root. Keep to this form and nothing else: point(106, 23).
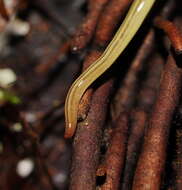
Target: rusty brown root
point(139, 116)
point(114, 10)
point(126, 94)
point(115, 156)
point(83, 36)
point(133, 148)
point(87, 141)
point(152, 159)
point(173, 33)
point(177, 164)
